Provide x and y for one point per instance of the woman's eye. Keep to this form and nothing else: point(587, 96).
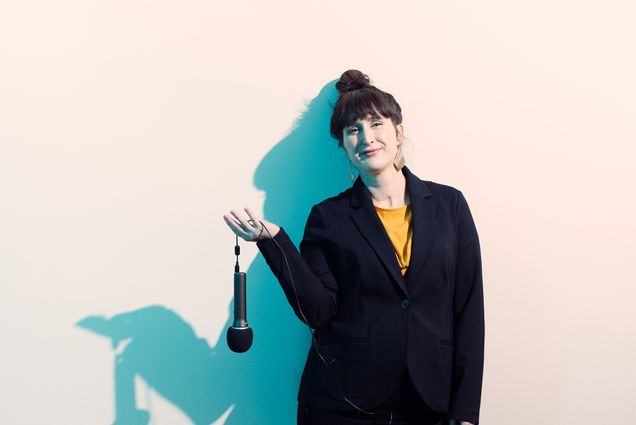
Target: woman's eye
point(353, 130)
point(378, 123)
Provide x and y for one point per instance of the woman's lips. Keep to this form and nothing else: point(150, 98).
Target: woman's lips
point(371, 153)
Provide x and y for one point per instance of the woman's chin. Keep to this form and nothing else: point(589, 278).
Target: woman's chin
point(375, 168)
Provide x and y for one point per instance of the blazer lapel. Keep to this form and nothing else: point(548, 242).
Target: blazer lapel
point(423, 210)
point(370, 226)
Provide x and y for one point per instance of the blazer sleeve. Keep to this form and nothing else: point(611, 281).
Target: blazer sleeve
point(311, 289)
point(468, 320)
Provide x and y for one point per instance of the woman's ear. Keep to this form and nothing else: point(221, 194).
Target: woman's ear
point(399, 132)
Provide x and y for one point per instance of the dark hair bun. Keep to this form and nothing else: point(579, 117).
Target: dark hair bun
point(352, 80)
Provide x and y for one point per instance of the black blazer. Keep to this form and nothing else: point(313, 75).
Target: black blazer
point(371, 322)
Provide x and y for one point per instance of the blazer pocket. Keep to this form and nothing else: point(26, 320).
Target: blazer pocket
point(349, 365)
point(448, 342)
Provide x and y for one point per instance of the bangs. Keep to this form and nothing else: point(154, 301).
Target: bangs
point(360, 104)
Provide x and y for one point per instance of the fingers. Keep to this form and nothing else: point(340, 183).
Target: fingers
point(236, 227)
point(244, 224)
point(253, 218)
point(246, 229)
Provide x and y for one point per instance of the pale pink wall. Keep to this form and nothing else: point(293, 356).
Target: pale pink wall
point(128, 128)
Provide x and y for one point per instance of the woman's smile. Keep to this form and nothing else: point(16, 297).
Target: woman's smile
point(370, 152)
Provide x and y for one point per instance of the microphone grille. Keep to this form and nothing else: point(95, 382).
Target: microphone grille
point(239, 340)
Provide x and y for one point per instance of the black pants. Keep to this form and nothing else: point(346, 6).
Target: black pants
point(403, 408)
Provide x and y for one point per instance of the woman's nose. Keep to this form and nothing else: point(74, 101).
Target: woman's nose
point(366, 136)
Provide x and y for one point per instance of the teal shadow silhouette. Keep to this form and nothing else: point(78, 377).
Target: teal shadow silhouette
point(206, 379)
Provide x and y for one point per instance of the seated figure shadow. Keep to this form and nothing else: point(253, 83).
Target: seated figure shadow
point(205, 380)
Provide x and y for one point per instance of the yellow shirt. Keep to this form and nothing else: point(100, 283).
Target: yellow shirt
point(397, 222)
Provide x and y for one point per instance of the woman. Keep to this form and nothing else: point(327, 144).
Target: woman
point(389, 278)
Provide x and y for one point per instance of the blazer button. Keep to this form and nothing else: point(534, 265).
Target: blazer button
point(405, 304)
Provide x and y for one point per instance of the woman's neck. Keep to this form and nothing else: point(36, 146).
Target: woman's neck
point(388, 189)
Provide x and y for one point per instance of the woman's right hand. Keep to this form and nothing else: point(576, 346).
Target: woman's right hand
point(250, 229)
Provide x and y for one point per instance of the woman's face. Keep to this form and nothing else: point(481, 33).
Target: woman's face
point(371, 143)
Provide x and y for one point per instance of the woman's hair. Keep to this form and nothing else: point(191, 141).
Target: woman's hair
point(357, 99)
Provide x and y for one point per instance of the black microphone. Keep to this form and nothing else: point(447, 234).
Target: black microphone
point(240, 335)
